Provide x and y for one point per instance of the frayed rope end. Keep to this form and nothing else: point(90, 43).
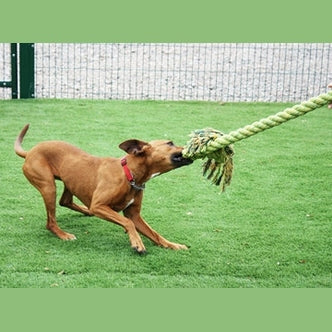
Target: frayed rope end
point(219, 164)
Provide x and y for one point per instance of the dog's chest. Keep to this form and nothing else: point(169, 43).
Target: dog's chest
point(124, 204)
point(129, 203)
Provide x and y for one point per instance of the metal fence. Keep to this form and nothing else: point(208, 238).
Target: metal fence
point(266, 72)
point(5, 70)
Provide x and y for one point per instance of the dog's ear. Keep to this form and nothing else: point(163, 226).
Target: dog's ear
point(134, 146)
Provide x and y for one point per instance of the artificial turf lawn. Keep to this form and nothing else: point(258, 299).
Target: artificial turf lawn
point(271, 228)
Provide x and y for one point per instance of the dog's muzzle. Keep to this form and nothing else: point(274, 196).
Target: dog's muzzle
point(178, 160)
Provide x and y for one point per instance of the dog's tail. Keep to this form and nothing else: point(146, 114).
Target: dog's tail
point(17, 146)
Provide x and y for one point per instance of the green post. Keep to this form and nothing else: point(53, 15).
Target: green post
point(27, 70)
point(13, 57)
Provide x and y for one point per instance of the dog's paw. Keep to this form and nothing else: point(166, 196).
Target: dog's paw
point(60, 233)
point(176, 246)
point(68, 237)
point(181, 247)
point(137, 243)
point(139, 251)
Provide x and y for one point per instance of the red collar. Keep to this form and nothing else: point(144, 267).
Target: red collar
point(129, 175)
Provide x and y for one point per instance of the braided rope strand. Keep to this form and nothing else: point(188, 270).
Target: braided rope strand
point(220, 140)
point(217, 146)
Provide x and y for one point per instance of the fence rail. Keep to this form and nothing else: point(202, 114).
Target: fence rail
point(180, 71)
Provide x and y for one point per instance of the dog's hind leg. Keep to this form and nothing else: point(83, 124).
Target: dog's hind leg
point(66, 200)
point(44, 182)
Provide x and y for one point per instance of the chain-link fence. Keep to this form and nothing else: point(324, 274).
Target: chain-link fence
point(266, 72)
point(5, 70)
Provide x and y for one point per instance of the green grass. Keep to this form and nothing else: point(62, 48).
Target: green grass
point(272, 227)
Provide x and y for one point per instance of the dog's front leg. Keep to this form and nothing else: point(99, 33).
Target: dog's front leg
point(141, 225)
point(105, 212)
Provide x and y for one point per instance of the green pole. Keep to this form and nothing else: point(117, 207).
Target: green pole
point(13, 55)
point(27, 70)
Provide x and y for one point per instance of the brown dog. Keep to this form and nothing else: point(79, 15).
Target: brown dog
point(105, 185)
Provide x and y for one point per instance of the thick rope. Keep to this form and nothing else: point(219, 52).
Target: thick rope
point(216, 146)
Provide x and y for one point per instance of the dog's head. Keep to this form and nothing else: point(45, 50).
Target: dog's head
point(160, 156)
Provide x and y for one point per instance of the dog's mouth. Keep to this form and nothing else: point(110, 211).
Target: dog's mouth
point(178, 160)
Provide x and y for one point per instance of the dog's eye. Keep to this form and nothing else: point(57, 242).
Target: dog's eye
point(170, 143)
